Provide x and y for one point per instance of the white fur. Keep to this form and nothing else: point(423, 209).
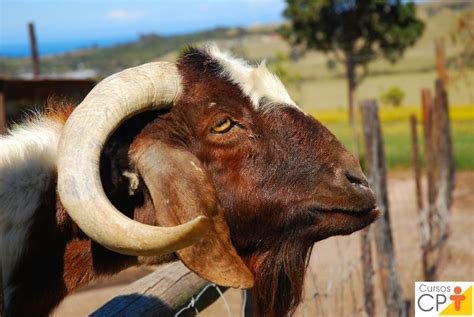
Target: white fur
point(258, 83)
point(27, 157)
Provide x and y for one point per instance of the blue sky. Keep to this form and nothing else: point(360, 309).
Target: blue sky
point(83, 22)
point(99, 20)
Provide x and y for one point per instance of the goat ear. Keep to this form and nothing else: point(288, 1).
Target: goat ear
point(181, 189)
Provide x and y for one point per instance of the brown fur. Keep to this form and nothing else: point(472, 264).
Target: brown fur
point(58, 109)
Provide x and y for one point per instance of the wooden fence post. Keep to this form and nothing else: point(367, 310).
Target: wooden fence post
point(163, 293)
point(441, 61)
point(443, 147)
point(427, 110)
point(375, 155)
point(3, 114)
point(415, 156)
point(367, 272)
point(34, 50)
point(422, 213)
point(443, 178)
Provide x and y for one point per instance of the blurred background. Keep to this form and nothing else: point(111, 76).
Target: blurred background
point(410, 62)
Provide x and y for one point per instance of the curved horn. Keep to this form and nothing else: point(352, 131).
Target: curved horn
point(112, 101)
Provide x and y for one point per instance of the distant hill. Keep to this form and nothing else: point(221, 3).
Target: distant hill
point(254, 43)
point(111, 59)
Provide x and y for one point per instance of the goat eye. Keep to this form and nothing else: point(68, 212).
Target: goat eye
point(223, 126)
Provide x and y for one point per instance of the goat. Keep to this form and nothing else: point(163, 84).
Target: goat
point(208, 161)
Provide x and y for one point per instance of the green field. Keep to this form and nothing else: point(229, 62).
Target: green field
point(396, 132)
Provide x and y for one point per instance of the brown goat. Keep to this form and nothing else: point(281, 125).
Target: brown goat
point(269, 179)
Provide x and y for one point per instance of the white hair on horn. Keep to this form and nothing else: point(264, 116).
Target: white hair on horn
point(257, 82)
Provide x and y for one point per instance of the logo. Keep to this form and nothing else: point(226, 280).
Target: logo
point(443, 299)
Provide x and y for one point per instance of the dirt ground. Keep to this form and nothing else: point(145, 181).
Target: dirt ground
point(334, 278)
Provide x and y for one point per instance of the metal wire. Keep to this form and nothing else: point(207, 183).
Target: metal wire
point(192, 302)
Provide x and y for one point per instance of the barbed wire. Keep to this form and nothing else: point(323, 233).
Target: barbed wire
point(192, 302)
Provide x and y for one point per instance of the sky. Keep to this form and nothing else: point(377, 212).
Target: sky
point(103, 21)
point(68, 24)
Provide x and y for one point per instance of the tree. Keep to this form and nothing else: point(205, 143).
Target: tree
point(393, 96)
point(354, 32)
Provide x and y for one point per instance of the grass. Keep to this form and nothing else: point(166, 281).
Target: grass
point(394, 114)
point(396, 131)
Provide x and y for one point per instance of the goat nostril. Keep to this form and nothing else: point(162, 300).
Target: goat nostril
point(356, 180)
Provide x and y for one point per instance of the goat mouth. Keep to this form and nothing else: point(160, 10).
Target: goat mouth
point(361, 213)
point(370, 212)
point(334, 222)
